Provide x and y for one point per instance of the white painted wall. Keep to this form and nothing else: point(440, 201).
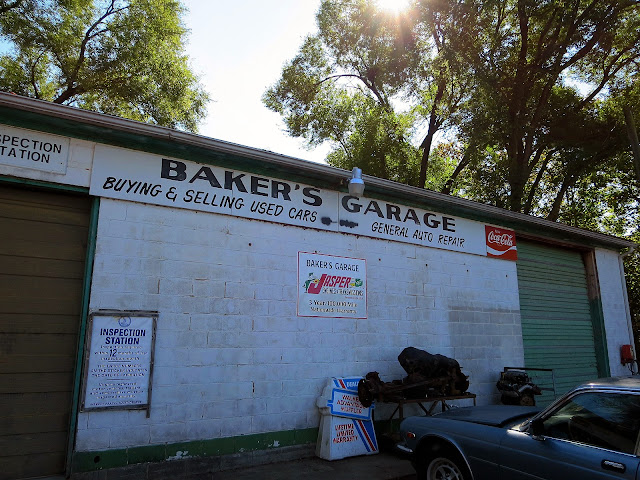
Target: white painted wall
point(615, 307)
point(233, 358)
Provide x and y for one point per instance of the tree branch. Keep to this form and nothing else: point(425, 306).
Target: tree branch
point(633, 139)
point(609, 71)
point(364, 80)
point(568, 182)
point(534, 187)
point(32, 76)
point(9, 6)
point(91, 33)
point(466, 159)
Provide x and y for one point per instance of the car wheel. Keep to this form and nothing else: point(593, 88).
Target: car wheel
point(443, 465)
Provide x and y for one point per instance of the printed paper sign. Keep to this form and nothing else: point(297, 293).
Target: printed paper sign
point(118, 365)
point(501, 243)
point(330, 286)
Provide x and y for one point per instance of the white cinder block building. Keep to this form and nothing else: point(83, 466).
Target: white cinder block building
point(171, 302)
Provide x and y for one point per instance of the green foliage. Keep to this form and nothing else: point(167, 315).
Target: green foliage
point(442, 164)
point(523, 54)
point(343, 86)
point(376, 144)
point(118, 57)
point(485, 180)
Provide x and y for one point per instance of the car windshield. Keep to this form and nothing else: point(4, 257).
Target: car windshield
point(605, 420)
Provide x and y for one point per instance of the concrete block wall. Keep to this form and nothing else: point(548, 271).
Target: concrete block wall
point(233, 358)
point(614, 307)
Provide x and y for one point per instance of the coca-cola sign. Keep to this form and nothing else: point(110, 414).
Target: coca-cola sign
point(501, 243)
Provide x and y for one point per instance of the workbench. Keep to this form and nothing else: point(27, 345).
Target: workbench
point(431, 402)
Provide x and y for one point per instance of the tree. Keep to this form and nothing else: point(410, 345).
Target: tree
point(120, 57)
point(522, 51)
point(626, 96)
point(499, 75)
point(347, 86)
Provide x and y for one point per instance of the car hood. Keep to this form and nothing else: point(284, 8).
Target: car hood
point(494, 415)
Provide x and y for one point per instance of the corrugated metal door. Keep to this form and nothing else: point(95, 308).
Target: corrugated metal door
point(42, 255)
point(557, 327)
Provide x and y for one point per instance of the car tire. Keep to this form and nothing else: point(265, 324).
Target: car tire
point(442, 464)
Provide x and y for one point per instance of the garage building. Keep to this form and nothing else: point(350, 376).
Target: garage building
point(244, 280)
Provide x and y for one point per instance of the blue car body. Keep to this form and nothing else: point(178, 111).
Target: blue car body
point(590, 433)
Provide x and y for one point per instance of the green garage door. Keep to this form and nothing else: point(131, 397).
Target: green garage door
point(557, 327)
point(42, 255)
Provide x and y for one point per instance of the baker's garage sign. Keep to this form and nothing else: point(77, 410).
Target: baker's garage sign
point(331, 286)
point(142, 177)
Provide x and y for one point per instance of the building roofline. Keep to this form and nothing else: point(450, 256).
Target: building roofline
point(310, 169)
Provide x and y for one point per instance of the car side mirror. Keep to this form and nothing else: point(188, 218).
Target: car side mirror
point(537, 428)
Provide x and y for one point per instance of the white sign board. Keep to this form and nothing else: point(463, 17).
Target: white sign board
point(143, 177)
point(346, 428)
point(344, 403)
point(119, 360)
point(35, 150)
point(330, 286)
point(340, 437)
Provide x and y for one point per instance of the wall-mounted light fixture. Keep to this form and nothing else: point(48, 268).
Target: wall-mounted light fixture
point(356, 184)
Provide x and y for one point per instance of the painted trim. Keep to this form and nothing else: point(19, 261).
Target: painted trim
point(86, 294)
point(597, 314)
point(600, 337)
point(44, 184)
point(99, 460)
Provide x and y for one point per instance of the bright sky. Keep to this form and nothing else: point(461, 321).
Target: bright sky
point(238, 49)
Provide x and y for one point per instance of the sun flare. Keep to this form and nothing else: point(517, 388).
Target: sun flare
point(393, 6)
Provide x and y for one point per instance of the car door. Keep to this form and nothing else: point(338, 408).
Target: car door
point(590, 435)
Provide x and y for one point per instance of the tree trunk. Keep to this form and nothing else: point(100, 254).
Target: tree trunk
point(424, 163)
point(557, 203)
point(534, 187)
point(517, 178)
point(633, 138)
point(434, 126)
point(463, 163)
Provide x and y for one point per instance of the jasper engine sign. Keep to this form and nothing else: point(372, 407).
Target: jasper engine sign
point(330, 286)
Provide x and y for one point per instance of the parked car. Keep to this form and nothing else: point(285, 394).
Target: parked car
point(589, 433)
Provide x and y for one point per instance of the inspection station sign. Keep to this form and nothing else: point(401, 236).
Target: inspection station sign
point(143, 177)
point(119, 360)
point(34, 150)
point(330, 286)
